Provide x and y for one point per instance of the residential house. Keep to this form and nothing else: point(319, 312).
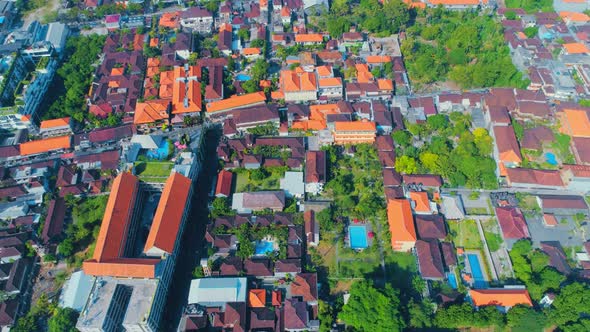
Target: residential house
point(312, 228)
point(534, 178)
point(257, 201)
point(430, 262)
point(563, 205)
point(401, 225)
point(502, 298)
point(293, 185)
point(557, 257)
point(224, 184)
point(576, 177)
point(315, 171)
point(506, 151)
point(512, 223)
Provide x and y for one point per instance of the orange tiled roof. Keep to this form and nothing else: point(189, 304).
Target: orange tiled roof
point(186, 96)
point(292, 81)
point(168, 216)
point(166, 83)
point(276, 95)
point(361, 67)
point(309, 125)
point(257, 298)
point(575, 122)
point(364, 76)
point(154, 42)
point(122, 268)
point(574, 16)
point(355, 126)
point(138, 42)
point(117, 71)
point(250, 51)
point(45, 145)
point(422, 204)
point(285, 12)
point(413, 4)
point(53, 123)
point(575, 48)
point(153, 62)
point(378, 59)
point(236, 102)
point(385, 84)
point(113, 230)
point(330, 81)
point(309, 38)
point(225, 27)
point(150, 111)
point(263, 3)
point(500, 297)
point(324, 71)
point(170, 20)
point(401, 221)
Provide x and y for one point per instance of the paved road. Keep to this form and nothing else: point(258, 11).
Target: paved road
point(515, 190)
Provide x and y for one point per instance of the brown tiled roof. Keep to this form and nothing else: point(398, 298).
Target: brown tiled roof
point(430, 226)
point(557, 257)
point(581, 146)
point(448, 250)
point(534, 138)
point(262, 318)
point(563, 202)
point(54, 220)
point(427, 180)
point(315, 167)
point(235, 316)
point(295, 315)
point(12, 192)
point(534, 176)
point(169, 213)
point(394, 192)
point(507, 144)
point(288, 266)
point(429, 259)
point(231, 266)
point(512, 223)
point(264, 199)
point(499, 114)
point(384, 143)
point(8, 312)
point(387, 158)
point(306, 286)
point(541, 110)
point(391, 177)
point(258, 267)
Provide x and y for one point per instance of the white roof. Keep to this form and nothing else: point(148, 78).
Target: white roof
point(212, 292)
point(147, 141)
point(76, 290)
point(293, 183)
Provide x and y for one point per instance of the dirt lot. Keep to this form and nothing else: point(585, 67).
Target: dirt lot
point(49, 280)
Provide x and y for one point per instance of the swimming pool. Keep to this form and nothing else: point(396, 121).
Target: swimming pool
point(452, 280)
point(160, 153)
point(479, 280)
point(264, 248)
point(550, 158)
point(242, 77)
point(358, 237)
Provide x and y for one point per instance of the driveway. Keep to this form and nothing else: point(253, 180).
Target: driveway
point(565, 232)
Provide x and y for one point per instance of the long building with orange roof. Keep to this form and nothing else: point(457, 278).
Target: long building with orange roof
point(60, 126)
point(354, 132)
point(401, 225)
point(575, 122)
point(52, 144)
point(236, 102)
point(116, 263)
point(500, 297)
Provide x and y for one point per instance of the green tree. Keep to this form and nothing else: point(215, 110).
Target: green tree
point(63, 320)
point(250, 86)
point(402, 138)
point(260, 70)
point(421, 314)
point(406, 165)
point(572, 301)
point(437, 122)
point(372, 309)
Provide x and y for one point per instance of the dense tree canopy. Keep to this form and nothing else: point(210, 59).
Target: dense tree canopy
point(74, 77)
point(462, 46)
point(370, 309)
point(63, 320)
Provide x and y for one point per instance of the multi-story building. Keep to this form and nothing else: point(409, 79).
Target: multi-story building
point(131, 287)
point(299, 85)
point(197, 19)
point(354, 132)
point(32, 89)
point(13, 69)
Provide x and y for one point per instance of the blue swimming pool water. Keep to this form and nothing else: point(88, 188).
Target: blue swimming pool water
point(242, 77)
point(476, 272)
point(160, 153)
point(452, 280)
point(358, 237)
point(550, 158)
point(264, 247)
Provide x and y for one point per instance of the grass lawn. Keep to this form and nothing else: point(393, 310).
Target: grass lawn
point(153, 171)
point(477, 211)
point(244, 181)
point(465, 234)
point(491, 231)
